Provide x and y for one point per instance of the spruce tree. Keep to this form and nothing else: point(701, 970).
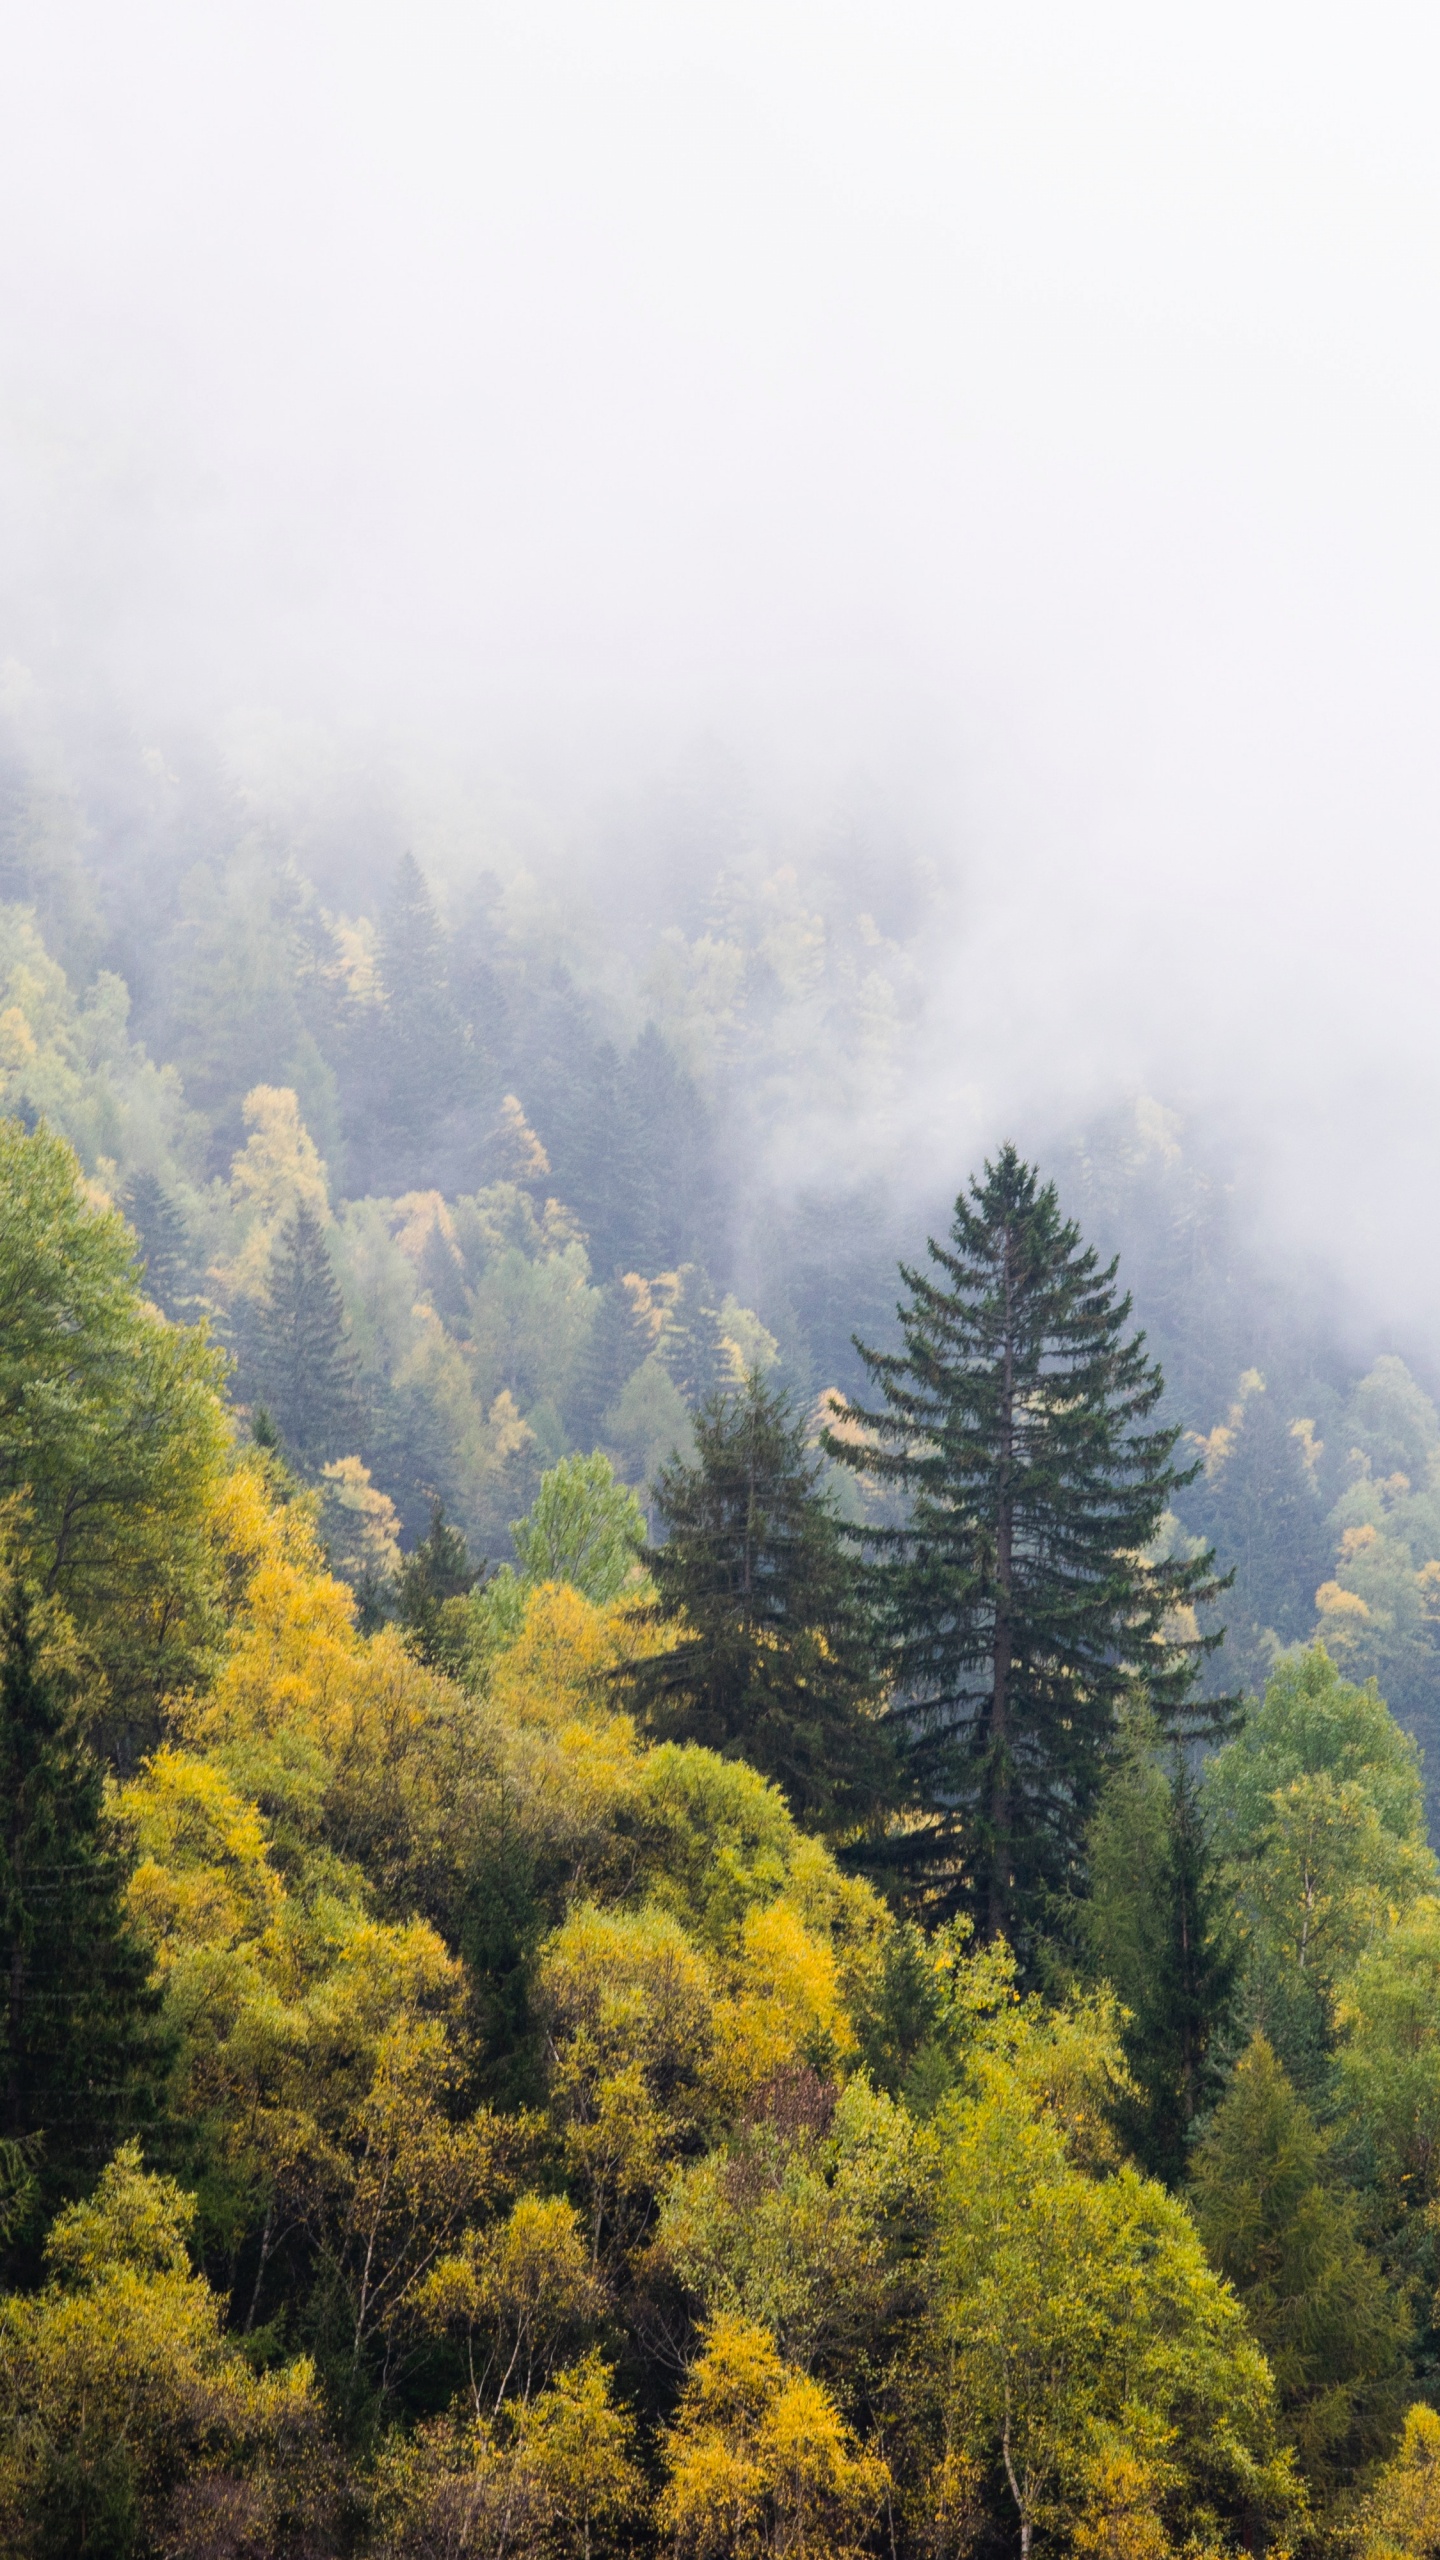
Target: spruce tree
point(1159, 1926)
point(775, 1662)
point(436, 1571)
point(692, 1345)
point(612, 1351)
point(303, 1364)
point(679, 1204)
point(1016, 1421)
point(80, 2053)
point(421, 1053)
point(165, 1259)
point(602, 1164)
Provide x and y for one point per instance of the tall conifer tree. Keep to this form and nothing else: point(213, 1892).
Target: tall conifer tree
point(612, 1351)
point(692, 1345)
point(775, 1661)
point(303, 1362)
point(421, 1053)
point(166, 1258)
point(1016, 1421)
point(1159, 1926)
point(79, 2048)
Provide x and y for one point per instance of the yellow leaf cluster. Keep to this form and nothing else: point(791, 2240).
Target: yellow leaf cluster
point(760, 2460)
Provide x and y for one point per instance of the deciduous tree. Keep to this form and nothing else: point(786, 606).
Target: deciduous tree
point(1079, 2312)
point(111, 1426)
point(1279, 2225)
point(583, 1528)
point(760, 2460)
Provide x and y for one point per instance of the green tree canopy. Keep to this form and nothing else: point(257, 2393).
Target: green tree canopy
point(774, 1660)
point(303, 1365)
point(111, 1429)
point(436, 1573)
point(1016, 1421)
point(79, 2053)
point(1083, 2324)
point(583, 1528)
point(1280, 2226)
point(1317, 1803)
point(1159, 1927)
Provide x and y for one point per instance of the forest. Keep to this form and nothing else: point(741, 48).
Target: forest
point(693, 1862)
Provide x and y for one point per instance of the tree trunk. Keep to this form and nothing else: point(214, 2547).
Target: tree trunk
point(1020, 2506)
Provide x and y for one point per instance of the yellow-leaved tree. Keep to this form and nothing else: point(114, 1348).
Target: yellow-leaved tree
point(759, 2459)
point(128, 2416)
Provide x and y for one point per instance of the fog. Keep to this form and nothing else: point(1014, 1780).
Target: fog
point(1016, 425)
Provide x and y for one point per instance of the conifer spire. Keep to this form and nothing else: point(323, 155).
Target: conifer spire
point(304, 1363)
point(1020, 1607)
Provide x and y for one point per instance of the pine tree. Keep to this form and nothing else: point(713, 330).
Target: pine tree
point(612, 1352)
point(1158, 1925)
point(302, 1362)
point(166, 1259)
point(421, 1053)
point(437, 1570)
point(1020, 1610)
point(1277, 2223)
point(775, 1664)
point(601, 1164)
point(692, 1344)
point(80, 2053)
point(678, 1207)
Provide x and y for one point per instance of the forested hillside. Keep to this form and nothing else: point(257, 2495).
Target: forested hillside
point(554, 1161)
point(692, 1863)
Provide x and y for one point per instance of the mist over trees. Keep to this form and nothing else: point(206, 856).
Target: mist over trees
point(681, 1874)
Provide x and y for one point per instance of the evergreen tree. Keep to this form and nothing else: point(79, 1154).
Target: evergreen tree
point(692, 1345)
point(436, 1571)
point(613, 1350)
point(1019, 1607)
point(79, 2050)
point(442, 1279)
point(421, 1055)
point(302, 1361)
point(775, 1662)
point(678, 1206)
point(166, 1259)
point(1159, 1928)
point(1276, 2222)
point(601, 1160)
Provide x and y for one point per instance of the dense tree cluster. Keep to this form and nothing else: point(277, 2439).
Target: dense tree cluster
point(527, 2080)
point(627, 1925)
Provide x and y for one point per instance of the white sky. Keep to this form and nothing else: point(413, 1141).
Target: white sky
point(1033, 408)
